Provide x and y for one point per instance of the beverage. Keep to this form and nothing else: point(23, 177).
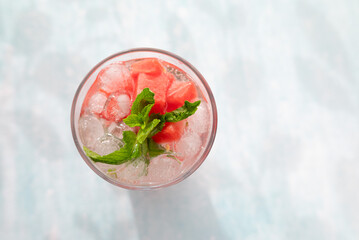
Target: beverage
point(144, 119)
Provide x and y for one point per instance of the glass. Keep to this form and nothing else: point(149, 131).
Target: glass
point(139, 53)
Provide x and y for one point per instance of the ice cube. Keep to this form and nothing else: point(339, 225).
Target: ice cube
point(113, 127)
point(107, 144)
point(109, 169)
point(97, 102)
point(163, 169)
point(104, 167)
point(105, 123)
point(131, 173)
point(199, 122)
point(116, 129)
point(124, 102)
point(113, 77)
point(179, 75)
point(90, 129)
point(118, 106)
point(188, 146)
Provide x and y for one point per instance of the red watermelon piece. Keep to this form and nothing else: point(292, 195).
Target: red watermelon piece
point(170, 132)
point(158, 85)
point(149, 65)
point(178, 93)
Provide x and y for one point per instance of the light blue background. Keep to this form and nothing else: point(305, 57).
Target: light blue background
point(285, 162)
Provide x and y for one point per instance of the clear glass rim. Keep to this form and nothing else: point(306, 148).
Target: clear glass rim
point(180, 178)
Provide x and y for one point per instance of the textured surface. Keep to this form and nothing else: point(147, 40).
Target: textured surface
point(285, 75)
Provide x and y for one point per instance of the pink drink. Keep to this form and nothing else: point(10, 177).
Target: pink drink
point(105, 97)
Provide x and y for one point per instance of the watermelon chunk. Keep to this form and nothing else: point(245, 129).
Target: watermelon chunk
point(170, 132)
point(158, 85)
point(178, 93)
point(150, 66)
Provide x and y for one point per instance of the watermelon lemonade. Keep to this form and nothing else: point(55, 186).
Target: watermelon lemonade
point(144, 119)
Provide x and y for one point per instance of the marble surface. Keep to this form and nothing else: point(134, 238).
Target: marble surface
point(285, 75)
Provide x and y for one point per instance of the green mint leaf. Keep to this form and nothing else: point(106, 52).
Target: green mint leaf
point(133, 120)
point(183, 112)
point(115, 158)
point(119, 156)
point(142, 100)
point(145, 113)
point(136, 152)
point(156, 116)
point(90, 153)
point(145, 149)
point(129, 138)
point(159, 127)
point(155, 149)
point(144, 133)
point(140, 110)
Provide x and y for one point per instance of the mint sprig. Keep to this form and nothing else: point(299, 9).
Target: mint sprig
point(183, 112)
point(141, 145)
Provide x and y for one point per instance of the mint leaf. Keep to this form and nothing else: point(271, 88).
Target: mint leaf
point(116, 158)
point(143, 99)
point(90, 153)
point(155, 149)
point(139, 120)
point(145, 113)
point(119, 156)
point(159, 127)
point(144, 133)
point(129, 139)
point(145, 148)
point(183, 112)
point(136, 152)
point(133, 120)
point(140, 110)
